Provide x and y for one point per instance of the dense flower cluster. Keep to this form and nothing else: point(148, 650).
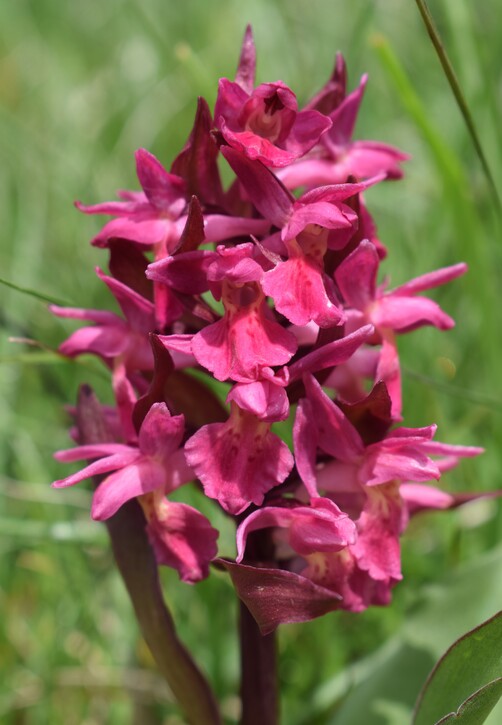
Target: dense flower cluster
point(269, 286)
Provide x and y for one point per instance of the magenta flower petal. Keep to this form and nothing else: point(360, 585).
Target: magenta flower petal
point(318, 527)
point(420, 497)
point(160, 433)
point(183, 539)
point(262, 398)
point(331, 354)
point(356, 276)
point(305, 441)
point(98, 468)
point(145, 229)
point(298, 288)
point(266, 192)
point(135, 479)
point(337, 436)
point(241, 343)
point(431, 279)
point(377, 547)
point(404, 314)
point(161, 188)
point(239, 461)
point(245, 76)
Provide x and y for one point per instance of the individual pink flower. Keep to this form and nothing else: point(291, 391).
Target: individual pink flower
point(157, 462)
point(247, 338)
point(397, 311)
point(264, 122)
point(238, 461)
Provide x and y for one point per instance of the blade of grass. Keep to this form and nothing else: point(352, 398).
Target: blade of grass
point(33, 293)
point(459, 96)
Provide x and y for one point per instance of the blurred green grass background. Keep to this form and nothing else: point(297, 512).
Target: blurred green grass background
point(82, 85)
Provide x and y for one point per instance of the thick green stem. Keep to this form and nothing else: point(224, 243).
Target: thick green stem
point(137, 565)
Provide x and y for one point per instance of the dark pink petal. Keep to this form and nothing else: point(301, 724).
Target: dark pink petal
point(266, 192)
point(305, 441)
point(323, 213)
point(241, 343)
point(274, 596)
point(404, 314)
point(336, 193)
point(364, 159)
point(147, 230)
point(245, 76)
point(431, 279)
point(319, 527)
point(333, 92)
point(98, 468)
point(389, 371)
point(306, 131)
point(407, 463)
point(231, 98)
point(235, 264)
point(262, 398)
point(135, 479)
point(356, 276)
point(297, 287)
point(218, 227)
point(107, 342)
point(161, 188)
point(183, 539)
point(419, 497)
point(344, 117)
point(336, 435)
point(177, 343)
point(239, 461)
point(377, 547)
point(331, 354)
point(97, 450)
point(185, 272)
point(139, 311)
point(117, 208)
point(161, 433)
point(197, 162)
point(102, 317)
point(256, 148)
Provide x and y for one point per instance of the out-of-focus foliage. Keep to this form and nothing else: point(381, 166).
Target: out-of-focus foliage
point(82, 85)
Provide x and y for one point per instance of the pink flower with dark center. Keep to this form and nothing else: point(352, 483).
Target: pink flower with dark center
point(238, 461)
point(264, 122)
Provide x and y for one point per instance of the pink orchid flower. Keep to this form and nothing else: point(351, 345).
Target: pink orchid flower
point(397, 311)
point(264, 122)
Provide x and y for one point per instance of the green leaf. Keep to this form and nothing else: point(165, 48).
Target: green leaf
point(466, 683)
